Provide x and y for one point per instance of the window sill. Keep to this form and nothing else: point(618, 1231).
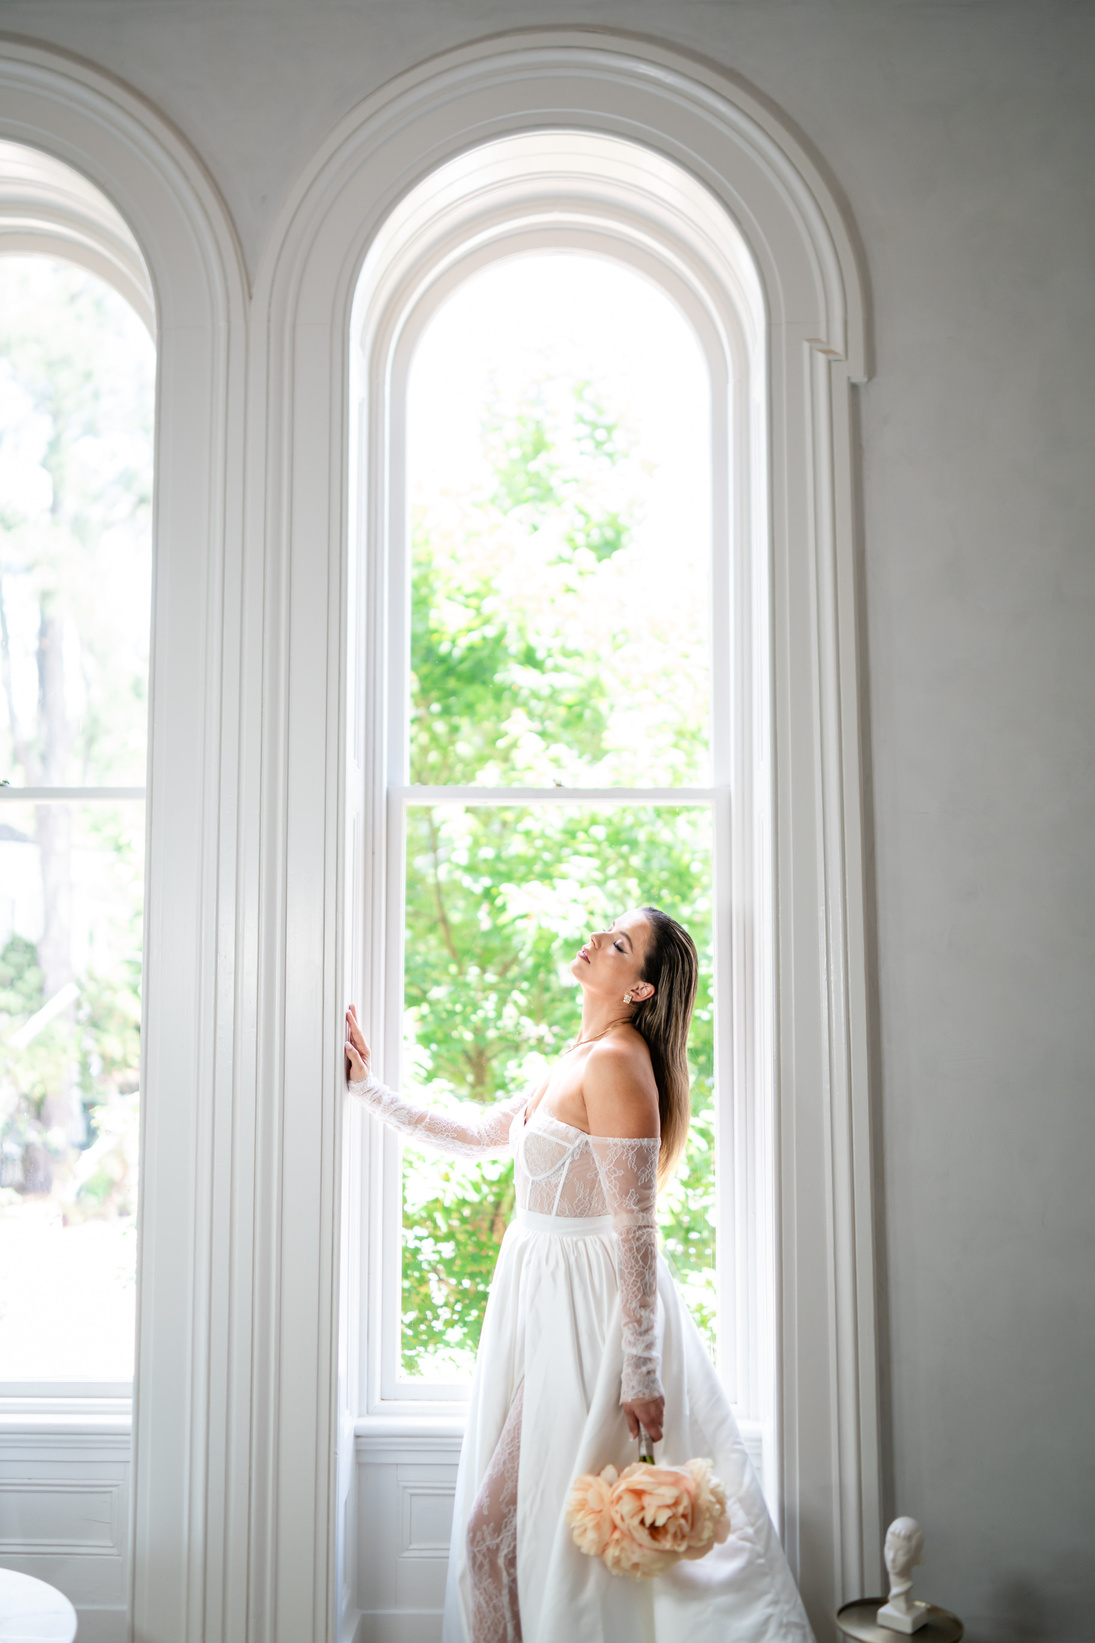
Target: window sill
point(410, 1423)
point(91, 1416)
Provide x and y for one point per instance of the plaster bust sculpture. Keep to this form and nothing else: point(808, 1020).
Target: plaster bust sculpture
point(903, 1552)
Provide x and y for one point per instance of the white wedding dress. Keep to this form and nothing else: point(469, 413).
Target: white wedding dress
point(582, 1314)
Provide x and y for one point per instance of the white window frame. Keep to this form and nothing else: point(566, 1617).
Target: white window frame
point(166, 244)
point(804, 1121)
point(48, 209)
point(613, 199)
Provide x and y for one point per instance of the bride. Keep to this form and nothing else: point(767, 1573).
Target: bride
point(585, 1338)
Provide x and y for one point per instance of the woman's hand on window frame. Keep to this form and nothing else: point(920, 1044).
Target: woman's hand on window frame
point(357, 1050)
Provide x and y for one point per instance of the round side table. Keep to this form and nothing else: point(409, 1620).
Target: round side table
point(859, 1621)
point(32, 1612)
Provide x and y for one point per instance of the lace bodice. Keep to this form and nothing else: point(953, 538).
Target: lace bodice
point(564, 1173)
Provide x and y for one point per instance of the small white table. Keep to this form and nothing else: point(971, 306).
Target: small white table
point(32, 1612)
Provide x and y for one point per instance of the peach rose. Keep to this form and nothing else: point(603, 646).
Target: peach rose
point(624, 1556)
point(710, 1515)
point(587, 1511)
point(643, 1520)
point(652, 1505)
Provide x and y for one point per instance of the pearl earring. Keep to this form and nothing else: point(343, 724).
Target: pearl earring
point(627, 998)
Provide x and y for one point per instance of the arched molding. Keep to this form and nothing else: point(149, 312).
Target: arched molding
point(149, 220)
point(48, 209)
point(815, 346)
point(788, 212)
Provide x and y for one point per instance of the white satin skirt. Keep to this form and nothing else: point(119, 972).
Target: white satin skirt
point(553, 1323)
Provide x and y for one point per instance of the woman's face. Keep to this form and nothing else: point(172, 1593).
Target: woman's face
point(611, 961)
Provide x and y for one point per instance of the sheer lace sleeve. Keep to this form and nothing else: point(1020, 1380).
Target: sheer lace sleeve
point(629, 1175)
point(471, 1135)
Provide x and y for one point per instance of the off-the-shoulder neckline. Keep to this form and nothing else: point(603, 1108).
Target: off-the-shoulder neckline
point(527, 1118)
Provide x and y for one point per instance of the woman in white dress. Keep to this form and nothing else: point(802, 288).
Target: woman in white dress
point(585, 1337)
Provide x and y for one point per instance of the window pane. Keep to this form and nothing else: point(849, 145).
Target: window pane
point(558, 429)
point(498, 902)
point(77, 372)
point(71, 880)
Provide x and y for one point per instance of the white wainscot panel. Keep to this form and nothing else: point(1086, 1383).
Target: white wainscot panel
point(405, 1491)
point(64, 1517)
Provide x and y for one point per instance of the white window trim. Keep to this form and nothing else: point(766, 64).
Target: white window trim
point(592, 193)
point(813, 346)
point(50, 210)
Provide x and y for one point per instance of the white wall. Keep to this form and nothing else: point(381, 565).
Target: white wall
point(962, 135)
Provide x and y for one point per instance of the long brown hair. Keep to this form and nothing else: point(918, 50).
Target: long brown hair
point(671, 965)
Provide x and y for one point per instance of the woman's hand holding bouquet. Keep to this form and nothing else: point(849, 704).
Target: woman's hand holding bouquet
point(645, 1415)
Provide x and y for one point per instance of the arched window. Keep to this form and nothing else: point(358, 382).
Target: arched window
point(77, 373)
point(94, 178)
point(560, 708)
point(559, 145)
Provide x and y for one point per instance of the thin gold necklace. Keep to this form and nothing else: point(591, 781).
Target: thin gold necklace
point(578, 1042)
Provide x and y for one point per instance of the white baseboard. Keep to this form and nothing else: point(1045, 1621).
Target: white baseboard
point(398, 1626)
point(102, 1625)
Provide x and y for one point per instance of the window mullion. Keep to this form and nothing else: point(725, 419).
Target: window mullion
point(727, 1149)
point(389, 1064)
point(71, 795)
point(520, 797)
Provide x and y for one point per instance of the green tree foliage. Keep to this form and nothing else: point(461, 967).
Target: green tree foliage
point(534, 477)
point(483, 677)
point(506, 687)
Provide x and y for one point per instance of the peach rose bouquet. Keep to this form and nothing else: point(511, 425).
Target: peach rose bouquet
point(643, 1520)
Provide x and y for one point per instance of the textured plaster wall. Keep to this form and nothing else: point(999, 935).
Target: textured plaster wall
point(963, 136)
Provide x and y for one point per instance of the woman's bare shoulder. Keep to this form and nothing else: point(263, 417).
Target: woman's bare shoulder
point(621, 1095)
point(623, 1051)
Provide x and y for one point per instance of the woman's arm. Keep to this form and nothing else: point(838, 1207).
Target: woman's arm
point(471, 1136)
point(622, 1107)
